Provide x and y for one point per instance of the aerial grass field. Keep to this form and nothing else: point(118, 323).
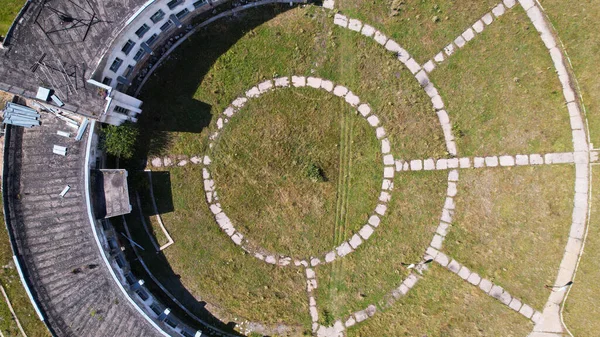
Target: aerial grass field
point(8, 11)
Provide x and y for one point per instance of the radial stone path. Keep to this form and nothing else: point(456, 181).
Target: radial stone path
point(547, 320)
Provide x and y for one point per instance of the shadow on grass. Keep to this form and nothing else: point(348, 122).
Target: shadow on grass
point(170, 106)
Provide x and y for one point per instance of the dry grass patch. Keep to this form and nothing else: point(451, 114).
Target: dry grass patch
point(511, 226)
point(442, 304)
point(374, 269)
point(423, 28)
point(502, 92)
point(581, 309)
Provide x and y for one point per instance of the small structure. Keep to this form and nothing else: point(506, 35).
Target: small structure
point(20, 115)
point(114, 199)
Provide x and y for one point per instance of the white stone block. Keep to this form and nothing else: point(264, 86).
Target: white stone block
point(380, 132)
point(487, 19)
point(329, 4)
point(465, 162)
point(439, 57)
point(388, 172)
point(380, 38)
point(449, 49)
point(522, 159)
point(478, 26)
point(460, 42)
point(299, 81)
point(416, 165)
point(327, 85)
point(354, 25)
point(365, 232)
point(429, 164)
point(536, 159)
point(499, 10)
point(364, 109)
point(374, 220)
point(468, 35)
point(352, 99)
point(422, 78)
point(509, 3)
point(368, 31)
point(413, 66)
point(388, 159)
point(507, 161)
point(385, 146)
point(265, 86)
point(437, 102)
point(526, 4)
point(429, 66)
point(314, 82)
point(478, 162)
point(373, 120)
point(340, 20)
point(491, 161)
point(437, 241)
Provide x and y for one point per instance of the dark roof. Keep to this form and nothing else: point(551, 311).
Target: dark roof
point(53, 237)
point(59, 44)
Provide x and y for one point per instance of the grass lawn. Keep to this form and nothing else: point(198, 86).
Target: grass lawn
point(423, 28)
point(11, 282)
point(578, 25)
point(303, 41)
point(502, 92)
point(375, 269)
point(442, 304)
point(511, 226)
point(261, 167)
point(8, 11)
point(581, 309)
point(214, 270)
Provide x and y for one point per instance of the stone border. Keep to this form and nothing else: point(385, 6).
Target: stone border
point(387, 183)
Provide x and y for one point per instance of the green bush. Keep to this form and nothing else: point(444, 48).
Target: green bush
point(314, 173)
point(119, 141)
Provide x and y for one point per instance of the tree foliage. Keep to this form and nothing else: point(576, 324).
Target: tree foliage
point(120, 140)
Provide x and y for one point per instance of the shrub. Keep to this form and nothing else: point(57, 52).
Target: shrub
point(119, 141)
point(314, 173)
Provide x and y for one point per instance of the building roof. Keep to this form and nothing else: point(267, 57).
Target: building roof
point(116, 194)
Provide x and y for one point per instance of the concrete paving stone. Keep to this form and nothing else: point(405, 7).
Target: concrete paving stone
point(478, 26)
point(354, 25)
point(454, 266)
point(270, 259)
point(487, 18)
point(569, 94)
point(237, 238)
point(156, 162)
point(403, 289)
point(515, 304)
point(329, 4)
point(360, 316)
point(443, 117)
point(478, 162)
point(416, 165)
point(453, 175)
point(344, 249)
point(452, 163)
point(449, 203)
point(340, 91)
point(364, 109)
point(350, 322)
point(371, 310)
point(315, 262)
point(167, 162)
point(507, 161)
point(366, 231)
point(327, 85)
point(385, 197)
point(374, 220)
point(536, 317)
point(282, 82)
point(410, 281)
point(509, 3)
point(385, 146)
point(437, 102)
point(299, 81)
point(206, 160)
point(388, 159)
point(355, 241)
point(548, 40)
point(253, 92)
point(491, 161)
point(499, 10)
point(329, 257)
point(573, 246)
point(560, 158)
point(431, 252)
point(422, 78)
point(220, 123)
point(428, 164)
point(526, 311)
point(579, 142)
point(505, 298)
point(460, 42)
point(464, 273)
point(439, 57)
point(536, 159)
point(577, 231)
point(485, 285)
point(437, 241)
point(314, 82)
point(392, 46)
point(431, 91)
point(196, 160)
point(310, 273)
point(381, 209)
point(442, 228)
point(209, 185)
point(340, 20)
point(265, 86)
point(403, 55)
point(215, 209)
point(469, 34)
point(581, 185)
point(521, 159)
point(573, 108)
point(368, 31)
point(380, 132)
point(576, 123)
point(387, 184)
point(449, 49)
point(405, 166)
point(259, 256)
point(311, 301)
point(496, 291)
point(474, 279)
point(446, 216)
point(373, 120)
point(380, 38)
point(352, 99)
point(413, 66)
point(314, 314)
point(451, 191)
point(239, 102)
point(441, 164)
point(567, 266)
point(442, 259)
point(536, 16)
point(429, 66)
point(284, 261)
point(182, 163)
point(205, 173)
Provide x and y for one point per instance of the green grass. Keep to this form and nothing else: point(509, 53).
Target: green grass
point(260, 167)
point(8, 11)
point(581, 309)
point(442, 304)
point(374, 269)
point(578, 26)
point(502, 92)
point(411, 22)
point(511, 226)
point(9, 278)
